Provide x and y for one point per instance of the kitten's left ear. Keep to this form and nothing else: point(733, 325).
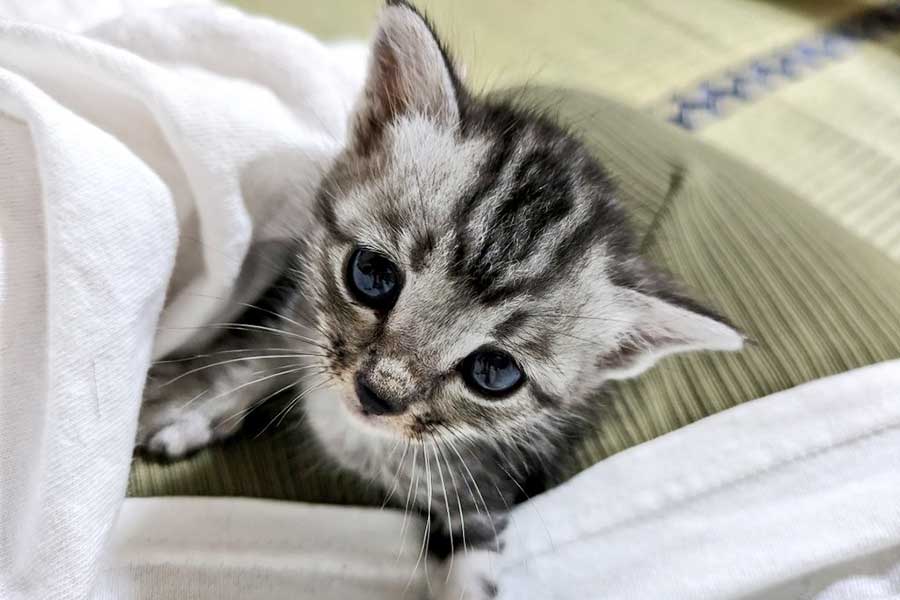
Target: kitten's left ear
point(409, 74)
point(664, 327)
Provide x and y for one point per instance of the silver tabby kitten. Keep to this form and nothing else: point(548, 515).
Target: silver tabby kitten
point(465, 290)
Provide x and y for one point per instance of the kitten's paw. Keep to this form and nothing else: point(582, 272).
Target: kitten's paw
point(189, 432)
point(172, 423)
point(477, 589)
point(471, 577)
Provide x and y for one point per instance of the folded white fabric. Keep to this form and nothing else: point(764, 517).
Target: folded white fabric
point(147, 154)
point(791, 497)
point(248, 549)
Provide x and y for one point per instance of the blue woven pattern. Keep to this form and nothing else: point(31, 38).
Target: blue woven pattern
point(689, 110)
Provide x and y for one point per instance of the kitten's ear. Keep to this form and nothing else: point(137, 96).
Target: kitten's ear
point(664, 327)
point(409, 73)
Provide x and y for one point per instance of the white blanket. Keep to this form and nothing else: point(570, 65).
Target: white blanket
point(791, 497)
point(160, 135)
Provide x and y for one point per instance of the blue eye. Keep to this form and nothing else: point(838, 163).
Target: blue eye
point(373, 280)
point(491, 372)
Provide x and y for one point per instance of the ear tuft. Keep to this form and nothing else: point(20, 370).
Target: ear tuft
point(409, 74)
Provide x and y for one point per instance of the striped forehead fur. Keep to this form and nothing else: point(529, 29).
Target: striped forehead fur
point(515, 201)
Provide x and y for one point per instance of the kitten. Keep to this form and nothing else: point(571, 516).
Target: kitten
point(465, 290)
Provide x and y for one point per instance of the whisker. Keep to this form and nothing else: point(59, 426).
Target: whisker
point(288, 371)
point(192, 400)
point(284, 411)
point(253, 306)
point(466, 480)
point(478, 491)
point(427, 534)
point(409, 494)
point(462, 519)
point(396, 474)
point(218, 352)
point(447, 504)
point(390, 456)
point(230, 361)
point(294, 402)
point(245, 327)
point(257, 403)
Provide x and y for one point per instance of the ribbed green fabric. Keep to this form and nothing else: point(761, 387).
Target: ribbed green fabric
point(784, 214)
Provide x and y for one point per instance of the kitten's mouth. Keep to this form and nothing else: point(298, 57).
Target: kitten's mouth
point(406, 425)
point(383, 424)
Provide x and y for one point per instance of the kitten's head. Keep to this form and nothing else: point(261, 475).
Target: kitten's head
point(471, 271)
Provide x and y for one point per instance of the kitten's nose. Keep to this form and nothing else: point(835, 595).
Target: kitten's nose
point(372, 403)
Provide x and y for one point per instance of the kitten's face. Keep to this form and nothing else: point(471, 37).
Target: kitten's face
point(471, 273)
point(443, 317)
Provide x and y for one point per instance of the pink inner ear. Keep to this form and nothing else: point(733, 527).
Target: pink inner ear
point(408, 74)
point(661, 329)
point(630, 352)
point(380, 104)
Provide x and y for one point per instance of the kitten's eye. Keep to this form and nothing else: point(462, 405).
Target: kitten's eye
point(491, 372)
point(372, 279)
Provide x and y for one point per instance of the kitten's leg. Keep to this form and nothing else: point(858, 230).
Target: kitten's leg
point(183, 412)
point(472, 576)
point(470, 571)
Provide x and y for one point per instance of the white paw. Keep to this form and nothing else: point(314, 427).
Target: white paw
point(174, 421)
point(189, 432)
point(471, 577)
point(186, 407)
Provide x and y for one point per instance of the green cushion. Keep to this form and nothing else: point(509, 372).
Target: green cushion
point(816, 299)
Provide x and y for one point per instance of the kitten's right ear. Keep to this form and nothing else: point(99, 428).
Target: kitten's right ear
point(409, 74)
point(665, 326)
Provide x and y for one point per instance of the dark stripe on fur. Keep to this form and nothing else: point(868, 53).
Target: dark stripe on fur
point(422, 247)
point(541, 195)
point(510, 326)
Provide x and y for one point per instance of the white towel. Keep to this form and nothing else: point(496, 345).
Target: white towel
point(789, 497)
point(145, 154)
